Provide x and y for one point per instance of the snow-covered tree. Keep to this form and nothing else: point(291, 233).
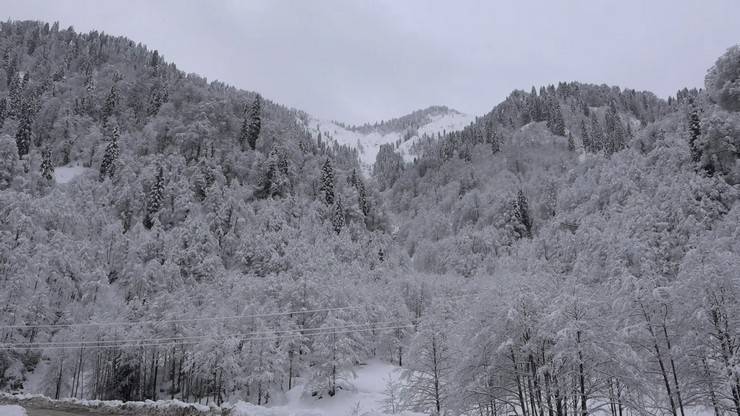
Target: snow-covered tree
point(326, 185)
point(154, 198)
point(253, 120)
point(110, 157)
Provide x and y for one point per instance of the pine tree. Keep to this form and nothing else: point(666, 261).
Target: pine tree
point(534, 107)
point(110, 157)
point(694, 134)
point(585, 137)
point(154, 198)
point(571, 143)
point(555, 121)
point(337, 218)
point(15, 96)
point(352, 179)
point(521, 214)
point(244, 132)
point(23, 135)
point(275, 179)
point(362, 198)
point(596, 135)
point(47, 167)
point(495, 140)
point(3, 111)
point(8, 160)
point(255, 122)
point(154, 62)
point(327, 182)
point(614, 131)
point(157, 97)
point(110, 103)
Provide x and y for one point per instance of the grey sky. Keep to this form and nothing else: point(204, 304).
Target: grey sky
point(359, 61)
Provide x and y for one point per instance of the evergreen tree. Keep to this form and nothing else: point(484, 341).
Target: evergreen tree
point(571, 143)
point(244, 132)
point(3, 111)
point(15, 96)
point(362, 198)
point(596, 135)
point(337, 218)
point(110, 103)
point(585, 137)
point(23, 135)
point(327, 182)
point(521, 215)
point(154, 198)
point(614, 131)
point(275, 179)
point(8, 160)
point(157, 97)
point(47, 167)
point(555, 121)
point(694, 134)
point(255, 122)
point(389, 164)
point(494, 139)
point(534, 105)
point(352, 178)
point(154, 61)
point(110, 157)
point(11, 68)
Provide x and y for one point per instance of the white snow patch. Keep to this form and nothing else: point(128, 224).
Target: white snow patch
point(365, 400)
point(368, 144)
point(65, 174)
point(12, 410)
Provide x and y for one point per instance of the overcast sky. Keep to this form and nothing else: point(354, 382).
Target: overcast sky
point(358, 61)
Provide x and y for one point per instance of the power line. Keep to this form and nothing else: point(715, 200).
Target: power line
point(171, 344)
point(178, 338)
point(174, 321)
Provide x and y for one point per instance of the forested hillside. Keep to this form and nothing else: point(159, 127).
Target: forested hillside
point(198, 201)
point(574, 250)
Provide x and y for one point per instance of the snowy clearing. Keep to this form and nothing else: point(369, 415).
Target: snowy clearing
point(65, 174)
point(366, 398)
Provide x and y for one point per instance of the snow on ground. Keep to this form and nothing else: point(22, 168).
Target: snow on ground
point(65, 174)
point(369, 144)
point(12, 410)
point(365, 400)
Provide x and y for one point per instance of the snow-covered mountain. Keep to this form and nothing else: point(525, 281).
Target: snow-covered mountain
point(404, 132)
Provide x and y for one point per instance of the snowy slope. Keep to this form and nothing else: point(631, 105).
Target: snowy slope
point(366, 399)
point(368, 144)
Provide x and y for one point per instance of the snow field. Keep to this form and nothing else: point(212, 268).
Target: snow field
point(12, 410)
point(369, 144)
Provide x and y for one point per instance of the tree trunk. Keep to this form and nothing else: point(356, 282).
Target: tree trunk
point(581, 377)
point(712, 395)
point(59, 379)
point(155, 366)
point(437, 399)
point(659, 357)
point(518, 383)
point(290, 369)
point(673, 365)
